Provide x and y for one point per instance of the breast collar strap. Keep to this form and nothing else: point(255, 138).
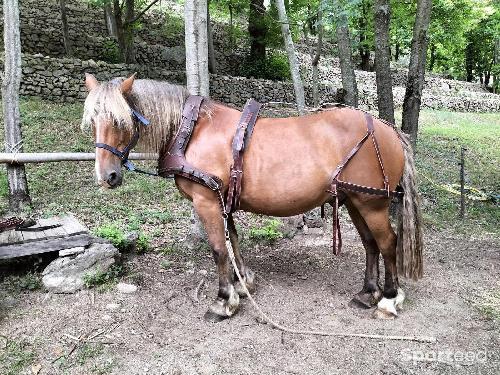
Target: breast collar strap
point(173, 161)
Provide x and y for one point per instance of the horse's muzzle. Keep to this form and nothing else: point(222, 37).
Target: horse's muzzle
point(112, 180)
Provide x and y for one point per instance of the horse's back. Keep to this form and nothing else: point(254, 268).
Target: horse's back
point(289, 162)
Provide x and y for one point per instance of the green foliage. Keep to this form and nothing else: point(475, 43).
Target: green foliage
point(20, 283)
point(275, 67)
point(15, 357)
point(103, 280)
point(88, 351)
point(4, 184)
point(114, 234)
point(111, 52)
point(143, 243)
point(269, 233)
point(173, 26)
point(440, 138)
point(489, 304)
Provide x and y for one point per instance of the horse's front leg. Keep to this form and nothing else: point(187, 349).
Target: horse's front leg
point(245, 271)
point(227, 301)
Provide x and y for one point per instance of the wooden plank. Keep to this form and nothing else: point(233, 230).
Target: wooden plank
point(14, 236)
point(44, 246)
point(4, 237)
point(47, 157)
point(54, 232)
point(32, 235)
point(72, 225)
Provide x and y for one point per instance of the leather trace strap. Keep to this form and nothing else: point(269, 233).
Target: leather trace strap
point(173, 160)
point(241, 139)
point(338, 184)
point(123, 155)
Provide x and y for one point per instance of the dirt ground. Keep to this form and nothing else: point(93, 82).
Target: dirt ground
point(160, 328)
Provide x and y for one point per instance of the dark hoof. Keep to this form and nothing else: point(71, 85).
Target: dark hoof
point(212, 317)
point(365, 300)
point(241, 291)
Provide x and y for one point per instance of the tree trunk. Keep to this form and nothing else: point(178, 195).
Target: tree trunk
point(68, 47)
point(364, 52)
point(110, 21)
point(212, 66)
point(432, 57)
point(257, 28)
point(397, 51)
point(383, 60)
point(317, 56)
point(16, 174)
point(196, 39)
point(231, 31)
point(496, 62)
point(117, 10)
point(469, 62)
point(416, 70)
point(128, 32)
point(292, 57)
point(196, 42)
point(345, 55)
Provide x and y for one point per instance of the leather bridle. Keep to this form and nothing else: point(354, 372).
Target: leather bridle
point(124, 154)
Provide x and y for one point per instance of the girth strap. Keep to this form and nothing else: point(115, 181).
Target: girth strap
point(337, 184)
point(241, 140)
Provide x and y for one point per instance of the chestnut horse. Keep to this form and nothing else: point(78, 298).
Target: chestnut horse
point(288, 170)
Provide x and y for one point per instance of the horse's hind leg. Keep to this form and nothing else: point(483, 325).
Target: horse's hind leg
point(371, 292)
point(245, 271)
point(375, 213)
point(227, 301)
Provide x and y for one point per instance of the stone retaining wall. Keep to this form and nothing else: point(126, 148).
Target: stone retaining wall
point(62, 80)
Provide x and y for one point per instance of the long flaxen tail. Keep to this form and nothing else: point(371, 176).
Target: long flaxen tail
point(409, 228)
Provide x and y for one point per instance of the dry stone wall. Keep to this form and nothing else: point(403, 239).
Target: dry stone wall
point(62, 80)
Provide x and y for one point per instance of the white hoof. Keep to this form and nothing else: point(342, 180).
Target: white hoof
point(390, 306)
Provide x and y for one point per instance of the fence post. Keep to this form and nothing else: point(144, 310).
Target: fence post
point(462, 181)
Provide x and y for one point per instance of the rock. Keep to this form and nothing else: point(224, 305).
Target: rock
point(65, 275)
point(72, 251)
point(126, 288)
point(131, 239)
point(112, 306)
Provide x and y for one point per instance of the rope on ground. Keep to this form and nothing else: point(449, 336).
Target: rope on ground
point(472, 193)
point(426, 339)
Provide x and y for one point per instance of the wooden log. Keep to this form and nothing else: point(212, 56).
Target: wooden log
point(44, 246)
point(48, 157)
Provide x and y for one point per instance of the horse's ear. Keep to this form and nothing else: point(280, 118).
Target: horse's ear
point(90, 81)
point(126, 85)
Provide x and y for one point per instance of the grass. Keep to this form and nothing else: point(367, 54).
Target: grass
point(103, 280)
point(153, 206)
point(29, 281)
point(442, 134)
point(15, 356)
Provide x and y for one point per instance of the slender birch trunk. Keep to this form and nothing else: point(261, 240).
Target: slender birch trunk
point(292, 57)
point(11, 80)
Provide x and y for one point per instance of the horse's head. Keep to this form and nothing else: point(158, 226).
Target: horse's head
point(109, 115)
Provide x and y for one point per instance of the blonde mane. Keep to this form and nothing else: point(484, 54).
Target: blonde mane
point(160, 102)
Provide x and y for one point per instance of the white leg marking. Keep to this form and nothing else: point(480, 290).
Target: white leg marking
point(389, 304)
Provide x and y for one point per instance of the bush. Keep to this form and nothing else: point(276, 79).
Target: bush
point(111, 52)
point(274, 67)
point(269, 233)
point(114, 234)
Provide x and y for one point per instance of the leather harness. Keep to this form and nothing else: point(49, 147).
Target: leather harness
point(172, 161)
